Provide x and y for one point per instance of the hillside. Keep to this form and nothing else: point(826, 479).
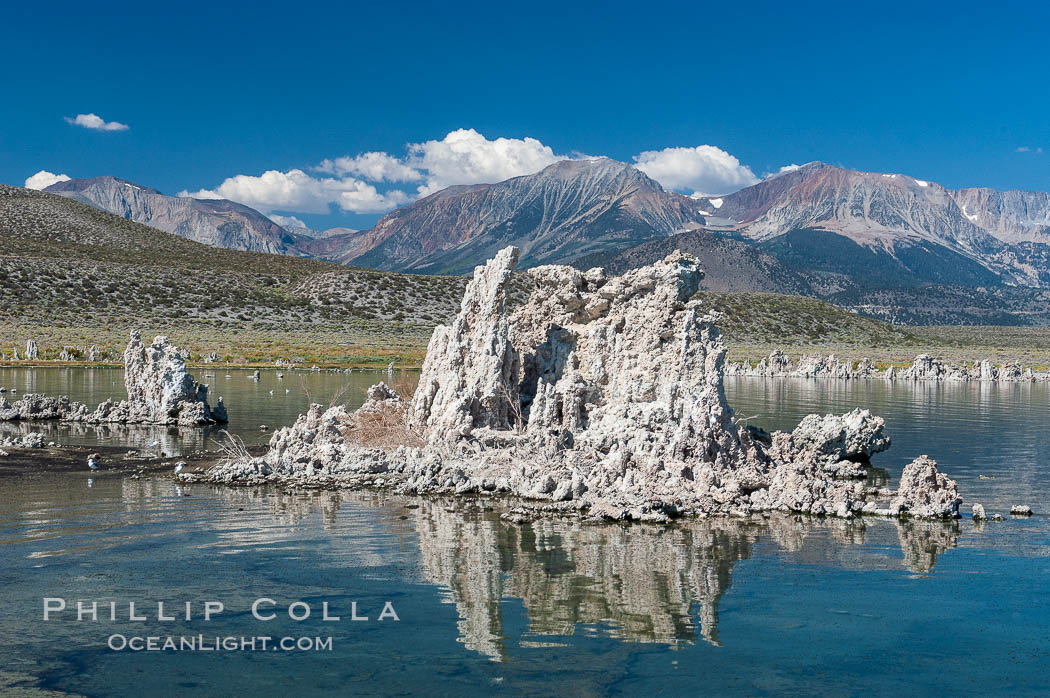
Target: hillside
point(74, 276)
point(215, 222)
point(884, 245)
point(68, 265)
point(729, 265)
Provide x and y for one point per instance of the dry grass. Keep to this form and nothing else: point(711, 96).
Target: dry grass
point(404, 385)
point(233, 449)
point(385, 428)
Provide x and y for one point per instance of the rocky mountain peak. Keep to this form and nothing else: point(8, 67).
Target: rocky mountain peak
point(565, 211)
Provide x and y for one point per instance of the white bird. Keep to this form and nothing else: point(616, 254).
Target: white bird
point(154, 444)
point(287, 390)
point(271, 392)
point(92, 463)
point(178, 467)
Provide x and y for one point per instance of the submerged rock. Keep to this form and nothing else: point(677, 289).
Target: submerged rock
point(1020, 510)
point(599, 393)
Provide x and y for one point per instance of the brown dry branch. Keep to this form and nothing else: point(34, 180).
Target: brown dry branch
point(404, 385)
point(386, 427)
point(233, 449)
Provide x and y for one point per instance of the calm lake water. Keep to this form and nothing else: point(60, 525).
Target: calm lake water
point(784, 605)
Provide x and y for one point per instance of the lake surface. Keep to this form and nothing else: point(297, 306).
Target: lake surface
point(771, 606)
point(252, 404)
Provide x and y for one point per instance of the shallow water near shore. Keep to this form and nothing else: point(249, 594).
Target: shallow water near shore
point(270, 401)
point(777, 605)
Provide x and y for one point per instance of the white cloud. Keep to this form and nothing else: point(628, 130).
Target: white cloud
point(44, 179)
point(287, 221)
point(96, 123)
point(375, 167)
point(704, 170)
point(465, 156)
point(1026, 149)
point(785, 169)
point(297, 191)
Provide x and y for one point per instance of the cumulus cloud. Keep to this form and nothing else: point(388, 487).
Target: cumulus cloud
point(375, 167)
point(96, 123)
point(705, 170)
point(287, 222)
point(463, 156)
point(785, 169)
point(44, 179)
point(297, 191)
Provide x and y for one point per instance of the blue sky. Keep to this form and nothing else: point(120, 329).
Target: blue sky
point(947, 93)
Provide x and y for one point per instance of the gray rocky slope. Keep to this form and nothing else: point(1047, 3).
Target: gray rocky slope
point(599, 394)
point(972, 234)
point(567, 210)
point(215, 222)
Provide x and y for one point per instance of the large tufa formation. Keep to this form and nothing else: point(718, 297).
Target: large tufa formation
point(600, 393)
point(160, 391)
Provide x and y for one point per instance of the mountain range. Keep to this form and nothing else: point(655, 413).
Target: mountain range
point(894, 226)
point(878, 243)
point(569, 209)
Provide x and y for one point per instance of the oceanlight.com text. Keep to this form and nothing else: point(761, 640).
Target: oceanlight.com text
point(217, 643)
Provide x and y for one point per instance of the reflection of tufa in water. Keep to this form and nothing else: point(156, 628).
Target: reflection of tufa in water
point(640, 583)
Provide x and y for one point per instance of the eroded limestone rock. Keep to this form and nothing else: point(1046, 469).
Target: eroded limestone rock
point(31, 440)
point(854, 436)
point(160, 391)
point(925, 492)
point(36, 406)
point(599, 393)
point(924, 367)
